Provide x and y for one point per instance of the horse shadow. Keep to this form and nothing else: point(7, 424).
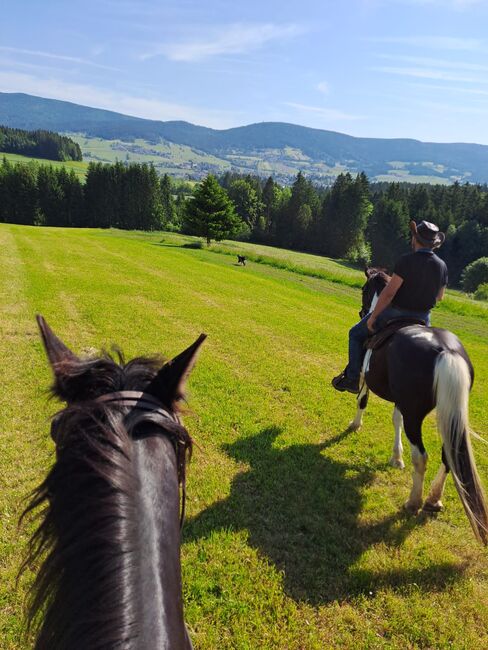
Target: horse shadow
point(301, 510)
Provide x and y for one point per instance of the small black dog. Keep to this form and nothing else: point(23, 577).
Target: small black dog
point(241, 259)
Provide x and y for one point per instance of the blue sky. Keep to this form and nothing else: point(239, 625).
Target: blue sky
point(374, 68)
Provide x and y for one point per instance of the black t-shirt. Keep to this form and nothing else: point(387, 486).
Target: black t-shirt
point(424, 274)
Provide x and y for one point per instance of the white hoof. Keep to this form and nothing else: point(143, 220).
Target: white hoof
point(397, 462)
point(354, 426)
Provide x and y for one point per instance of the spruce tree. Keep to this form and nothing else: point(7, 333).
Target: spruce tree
point(167, 202)
point(388, 232)
point(210, 213)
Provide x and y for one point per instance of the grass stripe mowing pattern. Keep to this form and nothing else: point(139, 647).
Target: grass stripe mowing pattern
point(294, 537)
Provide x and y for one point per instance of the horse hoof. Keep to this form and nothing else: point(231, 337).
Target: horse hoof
point(395, 462)
point(354, 426)
point(433, 507)
point(411, 508)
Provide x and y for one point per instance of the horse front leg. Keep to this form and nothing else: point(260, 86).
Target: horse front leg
point(362, 402)
point(396, 459)
point(413, 430)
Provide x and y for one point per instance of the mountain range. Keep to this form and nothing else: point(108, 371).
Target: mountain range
point(267, 148)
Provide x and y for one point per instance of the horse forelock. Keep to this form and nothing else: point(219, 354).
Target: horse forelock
point(87, 537)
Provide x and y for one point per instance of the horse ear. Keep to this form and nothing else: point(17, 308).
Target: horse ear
point(57, 352)
point(169, 384)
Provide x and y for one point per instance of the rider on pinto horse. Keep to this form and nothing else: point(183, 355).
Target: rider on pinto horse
point(419, 280)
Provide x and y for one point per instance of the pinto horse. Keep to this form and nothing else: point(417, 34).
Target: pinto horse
point(109, 532)
point(420, 368)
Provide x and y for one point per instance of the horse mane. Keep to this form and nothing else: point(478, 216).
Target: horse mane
point(86, 539)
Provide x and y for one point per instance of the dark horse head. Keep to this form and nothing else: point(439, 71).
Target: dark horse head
point(376, 281)
point(109, 532)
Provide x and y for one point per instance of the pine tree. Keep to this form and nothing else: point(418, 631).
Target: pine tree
point(247, 204)
point(292, 229)
point(345, 215)
point(167, 202)
point(388, 232)
point(19, 194)
point(210, 213)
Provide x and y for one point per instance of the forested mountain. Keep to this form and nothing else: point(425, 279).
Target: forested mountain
point(38, 144)
point(268, 147)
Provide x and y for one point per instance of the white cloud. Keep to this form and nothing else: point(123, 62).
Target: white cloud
point(458, 5)
point(153, 109)
point(326, 113)
point(429, 73)
point(435, 42)
point(323, 87)
point(439, 63)
point(449, 108)
point(57, 57)
point(455, 89)
point(227, 39)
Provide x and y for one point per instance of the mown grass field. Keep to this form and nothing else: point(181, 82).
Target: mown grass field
point(294, 538)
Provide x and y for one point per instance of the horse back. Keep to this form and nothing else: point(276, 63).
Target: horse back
point(404, 367)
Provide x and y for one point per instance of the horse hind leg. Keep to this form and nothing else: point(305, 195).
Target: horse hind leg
point(433, 502)
point(362, 402)
point(413, 430)
point(396, 459)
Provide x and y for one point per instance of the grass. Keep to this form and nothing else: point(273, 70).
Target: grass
point(294, 537)
point(79, 167)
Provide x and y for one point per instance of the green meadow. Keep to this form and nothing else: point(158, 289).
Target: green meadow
point(78, 166)
point(295, 536)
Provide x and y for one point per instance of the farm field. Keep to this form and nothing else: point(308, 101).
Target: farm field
point(295, 538)
point(78, 166)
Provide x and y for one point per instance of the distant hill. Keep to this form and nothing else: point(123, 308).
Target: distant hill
point(266, 148)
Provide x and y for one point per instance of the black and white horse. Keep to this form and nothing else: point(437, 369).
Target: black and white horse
point(418, 369)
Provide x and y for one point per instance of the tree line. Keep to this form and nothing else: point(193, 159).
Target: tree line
point(352, 219)
point(363, 222)
point(39, 144)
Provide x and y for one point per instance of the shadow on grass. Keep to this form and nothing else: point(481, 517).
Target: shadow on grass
point(301, 511)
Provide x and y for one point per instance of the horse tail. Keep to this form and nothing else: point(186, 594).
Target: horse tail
point(452, 383)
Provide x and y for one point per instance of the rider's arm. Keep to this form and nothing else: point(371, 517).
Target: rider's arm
point(385, 298)
point(441, 293)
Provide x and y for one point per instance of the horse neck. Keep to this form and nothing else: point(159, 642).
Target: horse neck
point(379, 283)
point(112, 578)
point(158, 575)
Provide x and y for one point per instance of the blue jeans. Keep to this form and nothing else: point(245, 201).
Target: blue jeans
point(359, 333)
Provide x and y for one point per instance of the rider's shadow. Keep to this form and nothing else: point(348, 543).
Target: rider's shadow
point(301, 510)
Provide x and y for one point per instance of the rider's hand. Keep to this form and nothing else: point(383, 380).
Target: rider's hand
point(370, 324)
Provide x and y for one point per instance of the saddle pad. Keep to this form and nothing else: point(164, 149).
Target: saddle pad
point(380, 338)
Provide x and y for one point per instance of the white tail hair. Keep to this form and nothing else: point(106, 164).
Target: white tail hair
point(452, 382)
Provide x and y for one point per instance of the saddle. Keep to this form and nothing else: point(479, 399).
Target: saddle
point(376, 341)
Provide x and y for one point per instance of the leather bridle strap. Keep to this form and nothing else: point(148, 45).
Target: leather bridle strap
point(139, 400)
point(147, 402)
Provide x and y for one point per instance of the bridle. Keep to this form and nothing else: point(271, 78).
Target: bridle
point(171, 427)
